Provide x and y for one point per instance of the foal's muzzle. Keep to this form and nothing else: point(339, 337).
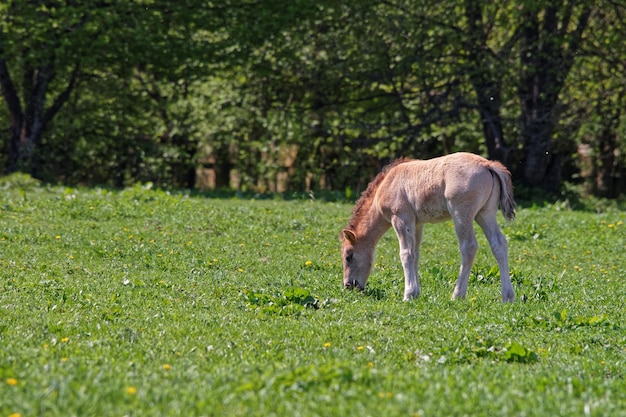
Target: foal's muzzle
point(353, 285)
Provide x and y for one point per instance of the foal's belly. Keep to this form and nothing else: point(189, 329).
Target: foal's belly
point(426, 216)
point(430, 207)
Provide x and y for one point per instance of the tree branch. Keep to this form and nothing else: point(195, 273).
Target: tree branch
point(63, 97)
point(8, 91)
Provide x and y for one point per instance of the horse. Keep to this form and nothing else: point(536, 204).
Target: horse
point(407, 194)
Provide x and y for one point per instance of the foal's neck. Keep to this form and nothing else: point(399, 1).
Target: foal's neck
point(372, 225)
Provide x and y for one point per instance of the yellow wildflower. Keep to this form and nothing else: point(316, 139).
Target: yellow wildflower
point(12, 381)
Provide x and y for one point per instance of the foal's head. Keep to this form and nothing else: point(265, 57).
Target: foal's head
point(357, 260)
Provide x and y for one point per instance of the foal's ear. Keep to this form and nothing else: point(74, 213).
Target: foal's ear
point(349, 235)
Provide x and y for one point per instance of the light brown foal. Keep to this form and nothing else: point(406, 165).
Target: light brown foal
point(409, 193)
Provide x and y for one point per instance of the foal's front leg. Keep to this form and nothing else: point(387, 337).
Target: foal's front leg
point(409, 236)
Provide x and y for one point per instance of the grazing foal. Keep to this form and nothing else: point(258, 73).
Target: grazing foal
point(409, 193)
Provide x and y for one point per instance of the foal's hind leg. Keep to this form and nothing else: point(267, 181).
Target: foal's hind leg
point(488, 222)
point(468, 246)
point(410, 236)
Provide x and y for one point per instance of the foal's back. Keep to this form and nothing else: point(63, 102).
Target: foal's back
point(434, 189)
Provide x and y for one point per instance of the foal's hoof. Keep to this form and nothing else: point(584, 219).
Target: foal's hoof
point(411, 295)
point(508, 298)
point(457, 296)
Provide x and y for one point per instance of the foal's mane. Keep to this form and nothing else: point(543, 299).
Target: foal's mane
point(366, 197)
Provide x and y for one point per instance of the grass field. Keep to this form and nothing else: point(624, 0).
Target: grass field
point(141, 302)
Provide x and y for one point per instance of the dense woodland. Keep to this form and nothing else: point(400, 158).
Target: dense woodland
point(309, 94)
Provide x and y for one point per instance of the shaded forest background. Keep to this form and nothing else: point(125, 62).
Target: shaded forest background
point(296, 95)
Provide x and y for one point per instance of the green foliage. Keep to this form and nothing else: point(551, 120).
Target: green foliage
point(563, 321)
point(316, 94)
point(19, 180)
point(292, 302)
point(488, 349)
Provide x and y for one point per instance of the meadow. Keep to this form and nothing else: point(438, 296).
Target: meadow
point(142, 302)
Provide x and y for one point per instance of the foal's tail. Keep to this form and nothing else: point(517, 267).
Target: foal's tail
point(507, 203)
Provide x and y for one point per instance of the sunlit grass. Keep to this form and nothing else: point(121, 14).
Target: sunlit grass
point(141, 302)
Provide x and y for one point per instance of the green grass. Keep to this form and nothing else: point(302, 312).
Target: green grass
point(140, 302)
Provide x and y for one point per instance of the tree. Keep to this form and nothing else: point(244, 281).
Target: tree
point(364, 83)
point(122, 91)
point(594, 103)
point(50, 48)
point(47, 64)
point(551, 38)
point(487, 70)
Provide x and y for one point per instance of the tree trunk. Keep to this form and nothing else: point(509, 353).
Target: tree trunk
point(15, 111)
point(28, 125)
point(605, 166)
point(32, 129)
point(486, 82)
point(537, 134)
point(546, 55)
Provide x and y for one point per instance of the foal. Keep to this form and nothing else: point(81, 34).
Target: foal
point(409, 193)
